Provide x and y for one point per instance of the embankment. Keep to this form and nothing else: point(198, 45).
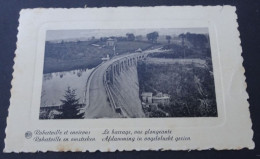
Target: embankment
point(125, 91)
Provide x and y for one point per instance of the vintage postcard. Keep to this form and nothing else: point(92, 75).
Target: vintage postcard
point(139, 78)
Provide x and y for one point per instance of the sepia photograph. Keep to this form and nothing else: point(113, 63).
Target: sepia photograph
point(128, 73)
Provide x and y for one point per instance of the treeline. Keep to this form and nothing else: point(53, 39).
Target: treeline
point(151, 37)
point(198, 40)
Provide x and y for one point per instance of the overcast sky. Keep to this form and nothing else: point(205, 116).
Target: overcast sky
point(97, 33)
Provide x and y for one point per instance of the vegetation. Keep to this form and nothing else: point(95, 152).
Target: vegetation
point(152, 37)
point(130, 36)
point(191, 88)
point(68, 110)
point(178, 51)
point(67, 56)
point(130, 46)
point(44, 114)
point(70, 105)
point(168, 38)
point(72, 55)
point(198, 40)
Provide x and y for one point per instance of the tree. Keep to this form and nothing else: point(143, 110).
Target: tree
point(168, 37)
point(70, 105)
point(139, 38)
point(182, 36)
point(130, 36)
point(197, 40)
point(152, 37)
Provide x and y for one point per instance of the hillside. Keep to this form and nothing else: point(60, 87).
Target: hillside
point(189, 84)
point(65, 56)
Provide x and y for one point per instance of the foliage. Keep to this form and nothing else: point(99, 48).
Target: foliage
point(198, 40)
point(152, 37)
point(130, 36)
point(79, 55)
point(191, 87)
point(139, 37)
point(70, 105)
point(44, 114)
point(49, 113)
point(168, 38)
point(73, 55)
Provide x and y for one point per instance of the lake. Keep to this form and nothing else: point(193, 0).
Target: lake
point(55, 84)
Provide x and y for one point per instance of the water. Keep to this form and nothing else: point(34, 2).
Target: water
point(55, 84)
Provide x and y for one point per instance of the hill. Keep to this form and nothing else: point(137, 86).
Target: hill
point(65, 56)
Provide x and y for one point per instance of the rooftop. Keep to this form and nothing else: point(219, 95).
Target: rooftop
point(110, 39)
point(147, 94)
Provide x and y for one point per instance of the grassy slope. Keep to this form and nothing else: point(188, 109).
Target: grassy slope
point(75, 55)
point(131, 46)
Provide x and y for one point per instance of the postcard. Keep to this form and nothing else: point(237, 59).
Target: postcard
point(128, 78)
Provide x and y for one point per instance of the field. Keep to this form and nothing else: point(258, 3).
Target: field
point(131, 46)
point(178, 51)
point(67, 56)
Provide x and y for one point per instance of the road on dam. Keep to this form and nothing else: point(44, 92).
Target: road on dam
point(98, 105)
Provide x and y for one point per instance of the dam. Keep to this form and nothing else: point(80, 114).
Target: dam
point(112, 90)
point(125, 92)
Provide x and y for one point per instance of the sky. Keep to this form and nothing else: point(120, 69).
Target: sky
point(97, 33)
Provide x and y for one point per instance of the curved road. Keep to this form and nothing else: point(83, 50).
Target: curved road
point(98, 106)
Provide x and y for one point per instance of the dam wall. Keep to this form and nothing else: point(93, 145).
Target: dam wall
point(125, 93)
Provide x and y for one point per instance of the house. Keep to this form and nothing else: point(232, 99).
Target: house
point(105, 58)
point(110, 42)
point(96, 45)
point(147, 97)
point(139, 50)
point(161, 98)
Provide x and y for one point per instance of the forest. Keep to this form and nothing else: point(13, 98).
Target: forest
point(191, 88)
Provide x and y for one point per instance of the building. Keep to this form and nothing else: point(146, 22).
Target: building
point(105, 58)
point(139, 50)
point(147, 97)
point(154, 101)
point(161, 98)
point(110, 42)
point(96, 45)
